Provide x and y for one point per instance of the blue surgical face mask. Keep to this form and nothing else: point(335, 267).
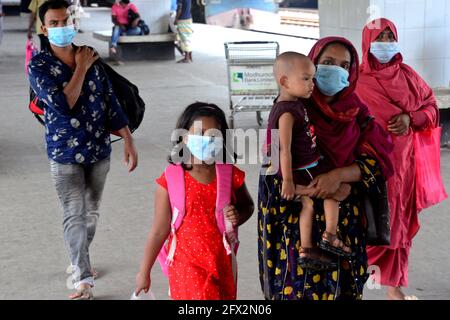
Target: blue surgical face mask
point(384, 51)
point(204, 148)
point(331, 79)
point(61, 36)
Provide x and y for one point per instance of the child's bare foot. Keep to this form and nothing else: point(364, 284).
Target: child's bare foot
point(331, 243)
point(343, 192)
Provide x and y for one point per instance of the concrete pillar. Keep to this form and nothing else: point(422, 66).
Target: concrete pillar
point(155, 13)
point(423, 25)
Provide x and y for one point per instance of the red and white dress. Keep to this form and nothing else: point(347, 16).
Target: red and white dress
point(201, 268)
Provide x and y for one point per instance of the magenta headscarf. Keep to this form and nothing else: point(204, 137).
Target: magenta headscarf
point(406, 90)
point(338, 125)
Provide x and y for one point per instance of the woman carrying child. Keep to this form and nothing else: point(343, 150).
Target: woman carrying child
point(356, 149)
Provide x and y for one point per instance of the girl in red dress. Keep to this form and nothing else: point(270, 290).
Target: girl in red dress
point(201, 269)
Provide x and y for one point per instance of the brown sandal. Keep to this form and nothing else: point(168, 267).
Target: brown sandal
point(316, 259)
point(332, 243)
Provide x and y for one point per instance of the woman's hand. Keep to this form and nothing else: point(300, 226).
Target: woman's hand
point(399, 125)
point(326, 184)
point(305, 191)
point(143, 283)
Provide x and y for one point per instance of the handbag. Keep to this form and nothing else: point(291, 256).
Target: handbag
point(144, 27)
point(430, 189)
point(145, 30)
point(376, 209)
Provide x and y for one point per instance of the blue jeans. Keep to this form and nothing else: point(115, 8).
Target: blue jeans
point(117, 32)
point(80, 190)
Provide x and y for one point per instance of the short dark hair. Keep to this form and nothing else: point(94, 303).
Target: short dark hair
point(49, 5)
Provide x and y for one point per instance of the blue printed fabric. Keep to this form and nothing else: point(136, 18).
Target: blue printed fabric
point(81, 134)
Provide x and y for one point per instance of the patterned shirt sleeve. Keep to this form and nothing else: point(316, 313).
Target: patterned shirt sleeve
point(117, 118)
point(46, 87)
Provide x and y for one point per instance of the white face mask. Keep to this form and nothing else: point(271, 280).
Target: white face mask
point(384, 51)
point(204, 148)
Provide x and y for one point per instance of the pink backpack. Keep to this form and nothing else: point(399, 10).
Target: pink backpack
point(174, 175)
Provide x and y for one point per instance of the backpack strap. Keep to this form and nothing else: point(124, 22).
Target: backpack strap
point(224, 173)
point(174, 175)
point(224, 189)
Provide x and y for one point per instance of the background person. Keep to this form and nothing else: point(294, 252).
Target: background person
point(184, 30)
point(36, 22)
point(122, 23)
point(403, 104)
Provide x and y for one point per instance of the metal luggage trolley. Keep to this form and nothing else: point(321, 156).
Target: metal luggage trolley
point(252, 86)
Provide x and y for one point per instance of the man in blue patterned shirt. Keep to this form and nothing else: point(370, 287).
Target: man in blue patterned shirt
point(80, 111)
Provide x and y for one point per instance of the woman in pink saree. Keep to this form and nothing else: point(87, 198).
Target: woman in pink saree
point(404, 104)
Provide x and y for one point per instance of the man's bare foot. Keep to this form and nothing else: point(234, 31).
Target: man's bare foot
point(343, 192)
point(113, 51)
point(395, 294)
point(84, 292)
point(179, 49)
point(183, 61)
